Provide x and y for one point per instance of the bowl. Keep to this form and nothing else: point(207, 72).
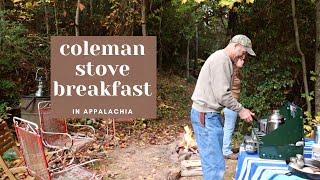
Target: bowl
point(304, 171)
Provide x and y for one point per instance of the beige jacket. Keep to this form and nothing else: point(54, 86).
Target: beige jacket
point(213, 89)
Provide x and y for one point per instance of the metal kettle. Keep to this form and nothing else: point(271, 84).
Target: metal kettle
point(274, 121)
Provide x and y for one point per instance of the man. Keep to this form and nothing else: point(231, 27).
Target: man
point(230, 117)
point(212, 93)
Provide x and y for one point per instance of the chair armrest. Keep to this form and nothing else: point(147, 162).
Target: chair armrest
point(57, 147)
point(62, 157)
point(77, 165)
point(93, 131)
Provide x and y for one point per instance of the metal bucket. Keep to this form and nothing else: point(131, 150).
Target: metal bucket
point(29, 107)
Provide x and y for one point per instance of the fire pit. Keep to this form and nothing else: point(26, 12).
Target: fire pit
point(188, 155)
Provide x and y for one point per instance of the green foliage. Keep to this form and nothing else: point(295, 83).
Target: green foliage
point(310, 122)
point(230, 3)
point(11, 47)
point(265, 86)
point(124, 17)
point(20, 54)
point(189, 14)
point(10, 155)
point(268, 80)
point(313, 76)
point(3, 110)
point(309, 96)
point(174, 23)
point(173, 98)
point(275, 75)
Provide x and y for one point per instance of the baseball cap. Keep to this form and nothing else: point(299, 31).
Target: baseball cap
point(245, 42)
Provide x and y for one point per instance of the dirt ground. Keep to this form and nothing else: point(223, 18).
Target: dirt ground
point(150, 162)
point(145, 159)
point(144, 149)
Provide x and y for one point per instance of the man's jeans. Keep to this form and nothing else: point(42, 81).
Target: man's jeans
point(230, 118)
point(209, 141)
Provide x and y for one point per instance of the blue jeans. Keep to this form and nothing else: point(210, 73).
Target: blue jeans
point(209, 141)
point(230, 118)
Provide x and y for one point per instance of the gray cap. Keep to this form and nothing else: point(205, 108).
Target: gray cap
point(244, 41)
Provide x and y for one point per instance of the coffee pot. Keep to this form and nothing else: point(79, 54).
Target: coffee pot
point(274, 121)
point(40, 79)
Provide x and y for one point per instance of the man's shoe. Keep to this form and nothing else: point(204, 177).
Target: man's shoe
point(233, 156)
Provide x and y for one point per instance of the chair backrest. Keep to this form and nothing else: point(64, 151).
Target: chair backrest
point(32, 148)
point(50, 124)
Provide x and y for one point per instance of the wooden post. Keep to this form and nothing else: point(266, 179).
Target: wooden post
point(6, 169)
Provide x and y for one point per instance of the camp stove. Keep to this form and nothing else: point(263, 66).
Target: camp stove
point(257, 134)
point(284, 142)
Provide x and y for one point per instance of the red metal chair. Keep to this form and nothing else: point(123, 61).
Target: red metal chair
point(34, 155)
point(55, 131)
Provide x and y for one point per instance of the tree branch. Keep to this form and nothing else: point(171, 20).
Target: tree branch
point(303, 60)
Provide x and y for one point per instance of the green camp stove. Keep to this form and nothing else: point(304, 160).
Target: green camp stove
point(287, 140)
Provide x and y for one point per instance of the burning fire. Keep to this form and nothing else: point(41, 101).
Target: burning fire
point(188, 142)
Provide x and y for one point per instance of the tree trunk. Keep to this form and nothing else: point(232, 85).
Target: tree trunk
point(143, 18)
point(64, 8)
point(1, 5)
point(77, 18)
point(93, 28)
point(197, 50)
point(232, 22)
point(303, 60)
point(188, 60)
point(160, 43)
point(91, 8)
point(317, 59)
point(1, 18)
point(46, 18)
point(56, 18)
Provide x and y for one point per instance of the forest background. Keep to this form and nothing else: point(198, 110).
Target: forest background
point(285, 36)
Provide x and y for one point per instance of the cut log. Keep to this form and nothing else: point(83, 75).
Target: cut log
point(191, 168)
point(21, 169)
point(190, 163)
point(195, 171)
point(185, 156)
point(15, 170)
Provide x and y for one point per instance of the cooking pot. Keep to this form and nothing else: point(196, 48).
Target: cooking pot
point(274, 121)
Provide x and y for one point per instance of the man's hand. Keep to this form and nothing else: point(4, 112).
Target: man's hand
point(246, 114)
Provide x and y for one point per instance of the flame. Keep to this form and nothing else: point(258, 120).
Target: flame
point(188, 140)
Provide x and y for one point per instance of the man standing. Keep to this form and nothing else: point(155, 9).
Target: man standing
point(212, 93)
point(230, 117)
